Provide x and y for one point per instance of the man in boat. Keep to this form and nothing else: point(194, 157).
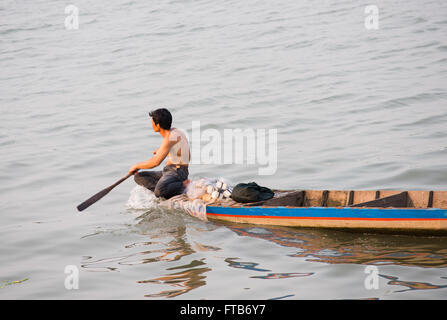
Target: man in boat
point(174, 177)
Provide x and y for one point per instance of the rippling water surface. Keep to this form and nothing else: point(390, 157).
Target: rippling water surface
point(354, 109)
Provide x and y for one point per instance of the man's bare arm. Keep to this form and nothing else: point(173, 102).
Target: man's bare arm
point(156, 160)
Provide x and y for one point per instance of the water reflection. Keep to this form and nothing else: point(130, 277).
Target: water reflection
point(193, 275)
point(335, 247)
point(175, 238)
point(173, 250)
point(284, 275)
point(166, 240)
point(411, 285)
point(243, 265)
point(185, 281)
point(282, 297)
point(167, 245)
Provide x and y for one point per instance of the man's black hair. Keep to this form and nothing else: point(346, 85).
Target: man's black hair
point(162, 117)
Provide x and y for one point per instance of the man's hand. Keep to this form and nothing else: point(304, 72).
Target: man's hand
point(133, 169)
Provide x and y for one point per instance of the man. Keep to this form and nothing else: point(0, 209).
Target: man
point(174, 177)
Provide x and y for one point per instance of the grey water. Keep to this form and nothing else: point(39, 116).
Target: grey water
point(354, 108)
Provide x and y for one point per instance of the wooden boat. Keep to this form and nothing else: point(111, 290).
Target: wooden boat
point(377, 210)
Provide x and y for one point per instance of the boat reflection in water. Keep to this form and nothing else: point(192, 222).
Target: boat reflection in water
point(330, 246)
point(411, 285)
point(170, 239)
point(314, 245)
point(335, 247)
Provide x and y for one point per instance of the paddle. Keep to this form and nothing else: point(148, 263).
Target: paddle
point(87, 203)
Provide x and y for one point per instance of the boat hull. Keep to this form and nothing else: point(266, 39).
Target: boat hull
point(430, 220)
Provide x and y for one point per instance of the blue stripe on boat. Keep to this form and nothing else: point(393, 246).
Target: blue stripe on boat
point(331, 212)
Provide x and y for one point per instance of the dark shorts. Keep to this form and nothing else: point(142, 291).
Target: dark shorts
point(166, 183)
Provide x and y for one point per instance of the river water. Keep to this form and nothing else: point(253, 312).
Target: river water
point(353, 108)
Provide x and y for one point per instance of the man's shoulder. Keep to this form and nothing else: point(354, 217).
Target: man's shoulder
point(174, 135)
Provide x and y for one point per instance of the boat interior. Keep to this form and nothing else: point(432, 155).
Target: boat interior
point(353, 198)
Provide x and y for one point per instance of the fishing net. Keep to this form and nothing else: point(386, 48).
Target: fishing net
point(193, 200)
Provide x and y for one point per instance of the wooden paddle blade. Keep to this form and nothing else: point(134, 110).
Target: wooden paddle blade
point(87, 203)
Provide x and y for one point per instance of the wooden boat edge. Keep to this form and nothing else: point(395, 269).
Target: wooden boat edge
point(429, 219)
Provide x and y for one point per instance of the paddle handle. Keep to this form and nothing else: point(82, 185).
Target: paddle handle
point(87, 203)
point(121, 180)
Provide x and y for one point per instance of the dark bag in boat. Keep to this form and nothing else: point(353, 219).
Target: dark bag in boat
point(250, 192)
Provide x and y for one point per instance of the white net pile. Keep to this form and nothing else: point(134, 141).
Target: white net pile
point(196, 196)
